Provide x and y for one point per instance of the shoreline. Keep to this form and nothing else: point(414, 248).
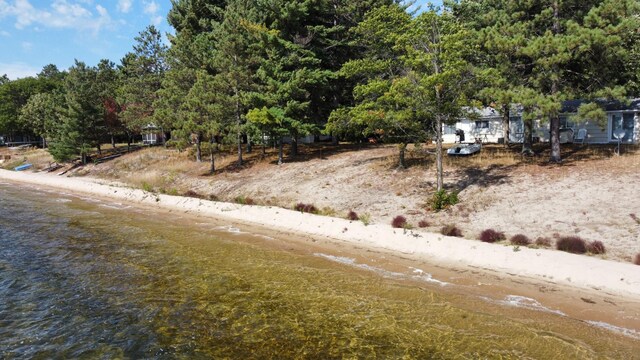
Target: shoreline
point(532, 270)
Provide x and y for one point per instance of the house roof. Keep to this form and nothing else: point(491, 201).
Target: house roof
point(571, 106)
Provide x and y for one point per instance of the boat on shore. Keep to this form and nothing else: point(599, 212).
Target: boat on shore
point(22, 167)
point(464, 149)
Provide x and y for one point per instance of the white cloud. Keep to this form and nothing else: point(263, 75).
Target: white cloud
point(124, 5)
point(5, 33)
point(26, 46)
point(18, 70)
point(157, 20)
point(62, 14)
point(151, 7)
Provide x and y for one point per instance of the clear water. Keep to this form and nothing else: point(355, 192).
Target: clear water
point(83, 279)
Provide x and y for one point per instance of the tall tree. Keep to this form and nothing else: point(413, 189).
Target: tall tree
point(142, 72)
point(235, 61)
point(41, 114)
point(82, 126)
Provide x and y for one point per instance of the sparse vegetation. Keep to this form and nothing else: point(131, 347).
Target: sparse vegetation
point(637, 259)
point(451, 230)
point(572, 244)
point(543, 241)
point(399, 222)
point(596, 248)
point(147, 187)
point(352, 215)
point(443, 199)
point(366, 219)
point(245, 200)
point(308, 208)
point(491, 236)
point(423, 223)
point(193, 194)
point(520, 239)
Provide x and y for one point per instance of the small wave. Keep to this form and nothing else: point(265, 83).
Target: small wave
point(634, 334)
point(116, 206)
point(352, 262)
point(528, 303)
point(424, 276)
point(230, 229)
point(63, 200)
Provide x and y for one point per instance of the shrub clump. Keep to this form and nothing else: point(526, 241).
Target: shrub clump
point(491, 236)
point(193, 194)
point(245, 200)
point(308, 208)
point(543, 241)
point(423, 223)
point(353, 216)
point(596, 248)
point(451, 230)
point(572, 244)
point(520, 239)
point(637, 259)
point(399, 222)
point(443, 199)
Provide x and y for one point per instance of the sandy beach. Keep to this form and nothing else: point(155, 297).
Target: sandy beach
point(573, 283)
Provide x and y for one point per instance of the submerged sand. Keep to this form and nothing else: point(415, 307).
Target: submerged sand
point(553, 267)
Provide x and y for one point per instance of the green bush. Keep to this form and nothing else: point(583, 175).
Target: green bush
point(443, 199)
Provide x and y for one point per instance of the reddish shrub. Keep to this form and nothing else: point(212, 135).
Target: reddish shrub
point(451, 230)
point(596, 247)
point(520, 240)
point(423, 223)
point(491, 236)
point(193, 194)
point(543, 241)
point(308, 208)
point(352, 216)
point(572, 244)
point(399, 221)
point(637, 259)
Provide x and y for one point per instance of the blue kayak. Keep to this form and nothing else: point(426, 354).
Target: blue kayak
point(22, 167)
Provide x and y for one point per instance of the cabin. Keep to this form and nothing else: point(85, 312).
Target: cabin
point(622, 120)
point(153, 135)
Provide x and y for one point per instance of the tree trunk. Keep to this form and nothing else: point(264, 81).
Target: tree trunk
point(439, 167)
point(505, 124)
point(401, 161)
point(280, 151)
point(294, 144)
point(554, 123)
point(238, 124)
point(249, 145)
point(198, 149)
point(99, 149)
point(527, 141)
point(334, 140)
point(212, 169)
point(113, 141)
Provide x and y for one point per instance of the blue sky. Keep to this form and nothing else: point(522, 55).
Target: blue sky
point(34, 33)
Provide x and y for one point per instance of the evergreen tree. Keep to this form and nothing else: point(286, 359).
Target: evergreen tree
point(142, 73)
point(82, 126)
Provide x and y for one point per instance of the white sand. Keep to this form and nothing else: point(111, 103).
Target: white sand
point(560, 268)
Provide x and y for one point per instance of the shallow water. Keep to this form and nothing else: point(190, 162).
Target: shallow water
point(93, 279)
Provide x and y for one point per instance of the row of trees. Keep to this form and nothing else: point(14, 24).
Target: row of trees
point(256, 69)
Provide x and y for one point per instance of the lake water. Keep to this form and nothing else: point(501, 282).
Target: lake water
point(82, 278)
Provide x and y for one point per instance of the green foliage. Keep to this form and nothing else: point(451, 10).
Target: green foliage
point(442, 199)
point(82, 119)
point(142, 72)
